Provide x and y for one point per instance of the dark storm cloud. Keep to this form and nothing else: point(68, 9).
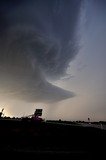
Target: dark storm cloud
point(37, 42)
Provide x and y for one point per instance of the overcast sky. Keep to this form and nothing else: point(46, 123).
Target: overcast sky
point(52, 56)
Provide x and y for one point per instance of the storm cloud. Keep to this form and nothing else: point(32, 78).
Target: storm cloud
point(38, 40)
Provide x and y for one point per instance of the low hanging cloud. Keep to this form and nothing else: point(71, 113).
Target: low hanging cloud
point(38, 41)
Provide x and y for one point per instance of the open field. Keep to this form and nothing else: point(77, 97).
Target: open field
point(51, 139)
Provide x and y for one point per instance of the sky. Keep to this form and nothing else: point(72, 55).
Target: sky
point(52, 56)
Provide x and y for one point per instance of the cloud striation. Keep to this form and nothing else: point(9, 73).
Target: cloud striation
point(38, 40)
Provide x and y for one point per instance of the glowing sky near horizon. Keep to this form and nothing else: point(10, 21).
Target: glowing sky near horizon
point(52, 56)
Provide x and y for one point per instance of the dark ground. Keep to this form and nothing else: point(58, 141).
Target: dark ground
point(46, 140)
